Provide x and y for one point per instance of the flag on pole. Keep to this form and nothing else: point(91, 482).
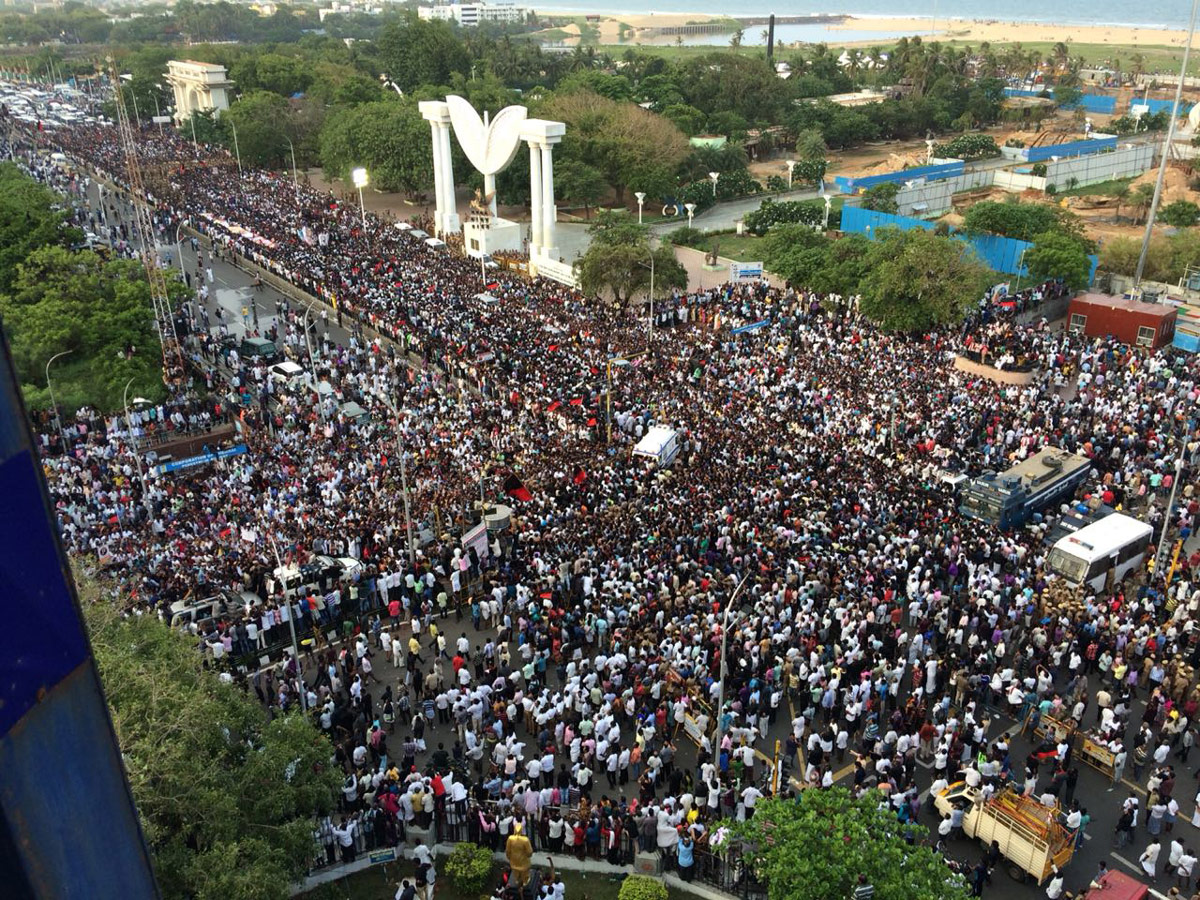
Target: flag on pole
point(515, 488)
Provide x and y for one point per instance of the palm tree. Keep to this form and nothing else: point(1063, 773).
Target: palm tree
point(1059, 55)
point(1120, 192)
point(875, 55)
point(1143, 195)
point(1137, 66)
point(736, 40)
point(765, 34)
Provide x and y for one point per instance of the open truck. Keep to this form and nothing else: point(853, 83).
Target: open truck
point(1031, 836)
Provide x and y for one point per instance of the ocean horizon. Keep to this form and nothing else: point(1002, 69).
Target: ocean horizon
point(1169, 14)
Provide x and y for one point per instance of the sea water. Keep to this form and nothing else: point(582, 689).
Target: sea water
point(1164, 14)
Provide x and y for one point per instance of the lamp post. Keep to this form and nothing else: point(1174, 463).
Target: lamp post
point(137, 115)
point(724, 673)
point(236, 151)
point(1020, 267)
point(1162, 540)
point(360, 181)
point(641, 198)
point(54, 403)
point(195, 143)
point(311, 362)
point(715, 176)
point(179, 245)
point(157, 111)
point(691, 211)
point(619, 362)
point(828, 205)
point(791, 164)
point(412, 553)
point(1166, 153)
point(137, 457)
point(295, 180)
point(302, 690)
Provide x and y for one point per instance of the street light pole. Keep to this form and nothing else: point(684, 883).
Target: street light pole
point(311, 362)
point(137, 457)
point(641, 198)
point(237, 152)
point(715, 176)
point(1162, 540)
point(295, 180)
point(179, 246)
point(53, 402)
point(724, 672)
point(412, 553)
point(359, 177)
point(1166, 153)
point(791, 164)
point(291, 626)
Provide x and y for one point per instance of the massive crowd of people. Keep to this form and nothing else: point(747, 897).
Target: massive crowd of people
point(881, 622)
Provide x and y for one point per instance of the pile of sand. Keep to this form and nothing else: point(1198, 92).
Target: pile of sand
point(1175, 185)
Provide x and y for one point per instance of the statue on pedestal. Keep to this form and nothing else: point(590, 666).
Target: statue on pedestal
point(710, 259)
point(519, 852)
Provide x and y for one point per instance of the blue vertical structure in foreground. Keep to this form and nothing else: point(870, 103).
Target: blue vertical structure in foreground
point(68, 826)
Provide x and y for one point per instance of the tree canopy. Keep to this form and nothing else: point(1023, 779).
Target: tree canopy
point(388, 137)
point(816, 846)
point(1058, 255)
point(226, 795)
point(618, 261)
point(30, 217)
point(917, 280)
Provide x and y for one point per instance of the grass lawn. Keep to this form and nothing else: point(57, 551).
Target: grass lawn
point(742, 247)
point(1108, 188)
point(379, 883)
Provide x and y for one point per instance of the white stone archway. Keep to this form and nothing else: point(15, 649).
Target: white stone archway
point(198, 87)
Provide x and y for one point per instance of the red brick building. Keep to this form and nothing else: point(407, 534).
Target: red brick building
point(1149, 325)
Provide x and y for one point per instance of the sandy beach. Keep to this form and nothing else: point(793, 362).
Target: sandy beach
point(997, 32)
point(974, 31)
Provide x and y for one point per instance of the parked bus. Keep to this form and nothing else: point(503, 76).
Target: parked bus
point(1116, 544)
point(1013, 497)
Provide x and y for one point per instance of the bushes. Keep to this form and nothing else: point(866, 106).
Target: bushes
point(736, 184)
point(789, 212)
point(687, 237)
point(469, 867)
point(968, 147)
point(1181, 213)
point(642, 887)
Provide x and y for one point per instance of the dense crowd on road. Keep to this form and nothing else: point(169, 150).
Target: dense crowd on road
point(888, 628)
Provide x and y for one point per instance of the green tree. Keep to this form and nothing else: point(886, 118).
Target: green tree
point(796, 253)
point(204, 126)
point(31, 217)
point(1180, 213)
point(416, 52)
point(98, 310)
point(1058, 255)
point(1022, 221)
point(577, 181)
point(388, 138)
point(226, 794)
point(810, 145)
point(263, 127)
point(1067, 97)
point(882, 198)
point(618, 261)
point(815, 847)
point(919, 280)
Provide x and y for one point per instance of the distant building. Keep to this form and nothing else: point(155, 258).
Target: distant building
point(1149, 325)
point(470, 15)
point(198, 87)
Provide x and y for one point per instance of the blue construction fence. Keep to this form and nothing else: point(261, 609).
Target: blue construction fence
point(1157, 106)
point(999, 253)
point(936, 172)
point(1071, 148)
point(1097, 103)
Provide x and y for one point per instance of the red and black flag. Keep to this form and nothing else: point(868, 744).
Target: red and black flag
point(515, 488)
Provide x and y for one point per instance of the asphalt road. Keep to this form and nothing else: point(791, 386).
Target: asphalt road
point(232, 290)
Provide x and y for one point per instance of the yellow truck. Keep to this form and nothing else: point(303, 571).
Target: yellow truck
point(1031, 836)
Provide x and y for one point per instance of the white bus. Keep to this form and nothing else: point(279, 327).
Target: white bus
point(1115, 544)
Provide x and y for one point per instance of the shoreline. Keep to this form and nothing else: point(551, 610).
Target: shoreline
point(948, 28)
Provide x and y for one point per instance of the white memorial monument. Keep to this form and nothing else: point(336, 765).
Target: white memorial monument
point(198, 87)
point(491, 147)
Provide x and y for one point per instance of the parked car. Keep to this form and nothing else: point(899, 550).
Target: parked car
point(254, 348)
